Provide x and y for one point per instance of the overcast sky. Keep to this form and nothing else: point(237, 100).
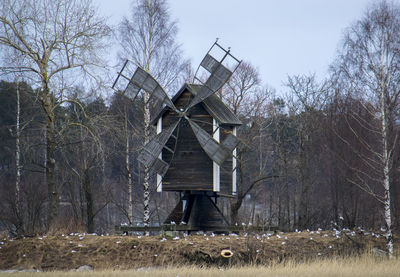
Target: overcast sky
point(279, 37)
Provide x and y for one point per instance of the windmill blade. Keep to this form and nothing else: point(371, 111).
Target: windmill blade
point(160, 167)
point(143, 80)
point(216, 151)
point(132, 90)
point(230, 142)
point(151, 151)
point(209, 63)
point(219, 76)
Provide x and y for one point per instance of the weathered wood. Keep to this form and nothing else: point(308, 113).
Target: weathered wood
point(190, 167)
point(205, 214)
point(185, 228)
point(213, 104)
point(176, 214)
point(226, 168)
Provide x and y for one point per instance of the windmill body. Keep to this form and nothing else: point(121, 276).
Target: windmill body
point(190, 167)
point(194, 150)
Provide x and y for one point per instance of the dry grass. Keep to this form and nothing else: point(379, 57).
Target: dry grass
point(197, 255)
point(364, 266)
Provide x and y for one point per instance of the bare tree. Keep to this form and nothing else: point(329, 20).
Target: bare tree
point(148, 39)
point(244, 90)
point(305, 100)
point(86, 156)
point(369, 65)
point(342, 165)
point(54, 37)
point(126, 129)
point(248, 100)
point(19, 225)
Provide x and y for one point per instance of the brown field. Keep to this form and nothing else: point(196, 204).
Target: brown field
point(317, 253)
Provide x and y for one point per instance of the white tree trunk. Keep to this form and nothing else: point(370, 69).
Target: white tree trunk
point(146, 177)
point(386, 159)
point(17, 161)
point(128, 170)
point(388, 217)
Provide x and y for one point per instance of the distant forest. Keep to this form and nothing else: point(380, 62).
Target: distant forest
point(322, 154)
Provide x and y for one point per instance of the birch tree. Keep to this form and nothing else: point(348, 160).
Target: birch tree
point(369, 64)
point(54, 38)
point(148, 39)
point(18, 158)
point(127, 135)
point(15, 132)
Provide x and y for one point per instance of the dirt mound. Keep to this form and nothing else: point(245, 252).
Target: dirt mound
point(66, 252)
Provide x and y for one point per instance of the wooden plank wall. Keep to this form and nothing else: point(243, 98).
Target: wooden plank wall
point(226, 168)
point(190, 168)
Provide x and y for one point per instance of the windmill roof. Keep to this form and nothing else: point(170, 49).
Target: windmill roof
point(213, 104)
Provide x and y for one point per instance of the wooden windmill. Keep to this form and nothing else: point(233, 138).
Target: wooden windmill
point(194, 150)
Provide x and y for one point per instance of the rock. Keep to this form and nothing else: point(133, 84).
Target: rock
point(378, 252)
point(30, 270)
point(21, 269)
point(85, 268)
point(9, 271)
point(149, 268)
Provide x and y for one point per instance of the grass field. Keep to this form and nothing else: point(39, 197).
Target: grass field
point(364, 266)
point(68, 252)
point(306, 253)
